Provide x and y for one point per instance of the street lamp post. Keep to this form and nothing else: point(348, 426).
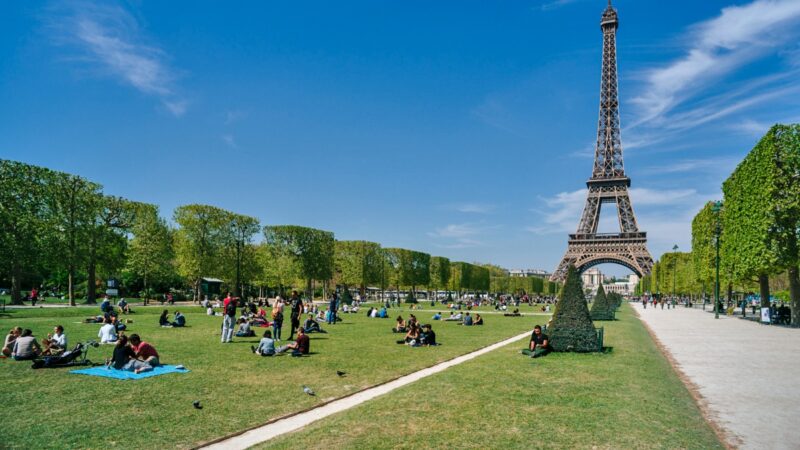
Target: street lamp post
point(716, 209)
point(674, 268)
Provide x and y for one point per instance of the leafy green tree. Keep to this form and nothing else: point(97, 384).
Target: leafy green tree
point(151, 255)
point(23, 217)
point(238, 253)
point(761, 214)
point(572, 329)
point(198, 241)
point(73, 206)
point(312, 249)
point(358, 263)
point(602, 309)
point(107, 238)
point(440, 272)
point(410, 268)
point(277, 267)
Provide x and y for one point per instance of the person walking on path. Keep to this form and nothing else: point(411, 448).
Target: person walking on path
point(297, 309)
point(229, 318)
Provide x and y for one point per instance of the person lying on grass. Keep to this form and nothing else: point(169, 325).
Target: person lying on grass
point(108, 332)
point(124, 358)
point(55, 343)
point(144, 351)
point(266, 347)
point(299, 347)
point(8, 345)
point(310, 325)
point(454, 317)
point(26, 347)
point(539, 345)
point(400, 326)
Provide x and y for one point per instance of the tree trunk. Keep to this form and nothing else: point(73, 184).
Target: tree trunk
point(763, 285)
point(794, 294)
point(91, 283)
point(310, 293)
point(16, 288)
point(70, 287)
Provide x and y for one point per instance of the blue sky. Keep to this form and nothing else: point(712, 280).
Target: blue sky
point(464, 129)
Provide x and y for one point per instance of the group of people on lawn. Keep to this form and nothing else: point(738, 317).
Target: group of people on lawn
point(464, 319)
point(416, 335)
point(21, 345)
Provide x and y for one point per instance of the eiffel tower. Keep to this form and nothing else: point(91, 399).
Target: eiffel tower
point(608, 184)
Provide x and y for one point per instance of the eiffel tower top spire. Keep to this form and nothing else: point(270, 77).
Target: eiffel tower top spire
point(608, 151)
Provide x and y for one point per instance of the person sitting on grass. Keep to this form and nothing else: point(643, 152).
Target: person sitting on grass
point(478, 320)
point(108, 332)
point(26, 347)
point(124, 358)
point(412, 321)
point(105, 306)
point(383, 314)
point(163, 320)
point(427, 337)
point(467, 321)
point(8, 345)
point(180, 320)
point(299, 347)
point(411, 337)
point(144, 351)
point(436, 316)
point(400, 327)
point(310, 325)
point(123, 306)
point(55, 343)
point(244, 328)
point(513, 314)
point(266, 347)
point(539, 345)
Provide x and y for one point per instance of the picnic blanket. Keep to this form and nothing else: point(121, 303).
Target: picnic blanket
point(102, 371)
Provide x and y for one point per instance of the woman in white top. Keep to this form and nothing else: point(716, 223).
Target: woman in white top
point(107, 333)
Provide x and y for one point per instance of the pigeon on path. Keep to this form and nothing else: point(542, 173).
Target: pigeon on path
point(308, 391)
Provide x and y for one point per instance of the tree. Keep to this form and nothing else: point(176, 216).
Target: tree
point(277, 267)
point(150, 252)
point(238, 252)
point(440, 272)
point(409, 268)
point(572, 329)
point(106, 238)
point(73, 204)
point(358, 263)
point(761, 214)
point(312, 249)
point(23, 208)
point(198, 242)
point(602, 309)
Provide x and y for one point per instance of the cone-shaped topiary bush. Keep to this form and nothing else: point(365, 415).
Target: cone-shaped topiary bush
point(602, 309)
point(572, 329)
point(615, 300)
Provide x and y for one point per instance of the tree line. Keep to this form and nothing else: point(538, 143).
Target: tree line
point(757, 224)
point(61, 232)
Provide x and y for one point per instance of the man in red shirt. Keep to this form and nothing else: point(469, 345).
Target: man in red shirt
point(144, 350)
point(300, 346)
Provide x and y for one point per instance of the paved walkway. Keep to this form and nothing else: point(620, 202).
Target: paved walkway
point(748, 374)
point(297, 421)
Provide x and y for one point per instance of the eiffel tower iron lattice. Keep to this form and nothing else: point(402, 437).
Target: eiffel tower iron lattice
point(608, 184)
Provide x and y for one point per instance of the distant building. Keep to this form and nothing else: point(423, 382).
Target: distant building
point(623, 287)
point(528, 273)
point(592, 278)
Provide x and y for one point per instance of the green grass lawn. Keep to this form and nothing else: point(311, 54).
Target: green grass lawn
point(51, 408)
point(626, 398)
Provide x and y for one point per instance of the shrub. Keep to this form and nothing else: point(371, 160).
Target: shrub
point(602, 308)
point(572, 329)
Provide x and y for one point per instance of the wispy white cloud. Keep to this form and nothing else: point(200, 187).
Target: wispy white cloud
point(717, 164)
point(555, 4)
point(462, 235)
point(229, 140)
point(738, 36)
point(234, 115)
point(111, 40)
point(473, 208)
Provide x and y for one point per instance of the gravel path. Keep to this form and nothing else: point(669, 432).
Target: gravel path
point(747, 374)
